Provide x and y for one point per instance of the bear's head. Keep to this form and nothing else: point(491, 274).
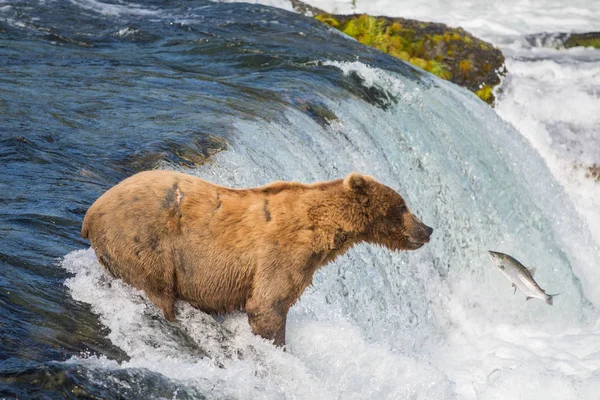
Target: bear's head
point(382, 216)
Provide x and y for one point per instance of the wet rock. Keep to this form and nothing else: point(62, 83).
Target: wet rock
point(450, 53)
point(589, 39)
point(593, 172)
point(191, 150)
point(77, 381)
point(320, 113)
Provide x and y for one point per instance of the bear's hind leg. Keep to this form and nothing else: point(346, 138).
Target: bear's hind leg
point(165, 302)
point(267, 320)
point(159, 286)
point(161, 291)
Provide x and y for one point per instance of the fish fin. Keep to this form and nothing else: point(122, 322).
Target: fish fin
point(529, 298)
point(549, 298)
point(532, 270)
point(515, 286)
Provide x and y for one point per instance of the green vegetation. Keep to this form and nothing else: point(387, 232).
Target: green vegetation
point(590, 39)
point(450, 53)
point(485, 93)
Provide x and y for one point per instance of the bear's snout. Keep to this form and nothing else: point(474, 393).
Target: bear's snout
point(429, 230)
point(420, 233)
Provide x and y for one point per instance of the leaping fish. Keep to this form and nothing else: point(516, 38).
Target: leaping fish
point(520, 276)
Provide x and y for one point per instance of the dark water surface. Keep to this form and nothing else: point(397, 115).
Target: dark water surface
point(92, 92)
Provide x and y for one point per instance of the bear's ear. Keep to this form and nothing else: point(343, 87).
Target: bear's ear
point(355, 182)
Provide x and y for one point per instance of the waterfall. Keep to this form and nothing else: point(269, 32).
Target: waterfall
point(439, 322)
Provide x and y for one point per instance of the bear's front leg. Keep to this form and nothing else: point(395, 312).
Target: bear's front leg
point(267, 319)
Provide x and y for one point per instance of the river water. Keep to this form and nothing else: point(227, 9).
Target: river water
point(92, 92)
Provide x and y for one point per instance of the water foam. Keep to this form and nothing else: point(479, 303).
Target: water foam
point(326, 359)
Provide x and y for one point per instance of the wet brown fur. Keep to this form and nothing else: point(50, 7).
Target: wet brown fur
point(176, 236)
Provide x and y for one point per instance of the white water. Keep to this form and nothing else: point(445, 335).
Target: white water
point(438, 323)
point(556, 105)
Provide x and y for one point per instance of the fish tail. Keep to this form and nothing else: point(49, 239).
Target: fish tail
point(549, 298)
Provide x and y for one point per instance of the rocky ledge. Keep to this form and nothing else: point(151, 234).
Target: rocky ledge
point(450, 53)
point(589, 39)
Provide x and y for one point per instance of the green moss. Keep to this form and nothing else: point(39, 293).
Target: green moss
point(465, 66)
point(418, 48)
point(419, 62)
point(438, 38)
point(449, 37)
point(367, 30)
point(329, 20)
point(485, 94)
point(403, 55)
point(449, 53)
point(408, 34)
point(397, 40)
point(437, 68)
point(396, 28)
point(576, 41)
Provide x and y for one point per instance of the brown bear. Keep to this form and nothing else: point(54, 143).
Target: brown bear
point(176, 236)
